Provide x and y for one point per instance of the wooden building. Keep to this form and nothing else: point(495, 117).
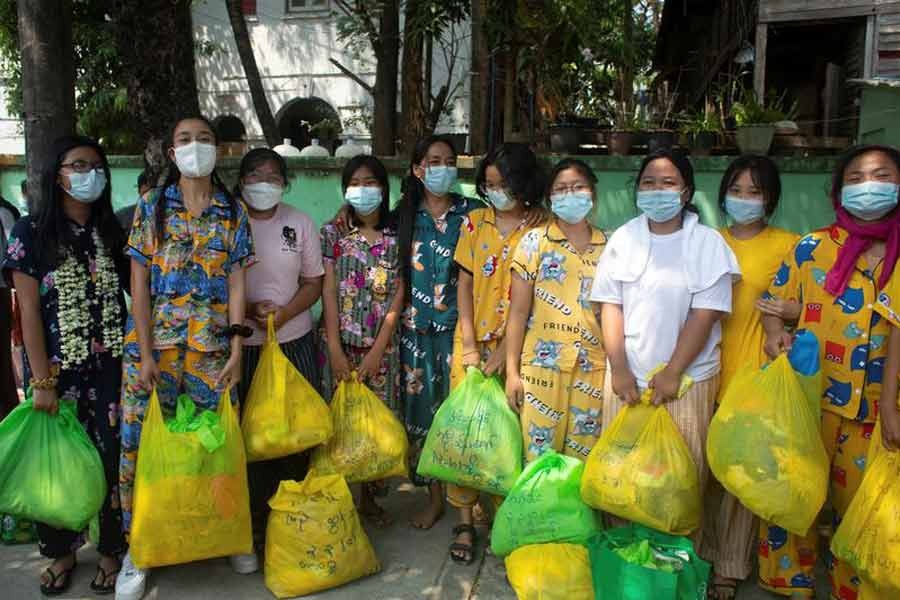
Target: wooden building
point(810, 50)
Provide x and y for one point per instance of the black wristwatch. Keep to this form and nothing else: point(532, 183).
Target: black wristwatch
point(240, 330)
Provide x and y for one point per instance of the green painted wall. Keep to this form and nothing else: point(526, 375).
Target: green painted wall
point(879, 115)
point(315, 186)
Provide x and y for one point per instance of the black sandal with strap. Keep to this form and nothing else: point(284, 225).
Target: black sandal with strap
point(460, 547)
point(50, 588)
point(103, 588)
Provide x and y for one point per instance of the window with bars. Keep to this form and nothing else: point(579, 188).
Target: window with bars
point(307, 6)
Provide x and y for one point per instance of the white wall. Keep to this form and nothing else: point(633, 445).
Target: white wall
point(12, 134)
point(293, 53)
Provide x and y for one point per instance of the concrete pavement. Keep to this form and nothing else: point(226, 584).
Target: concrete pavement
point(415, 565)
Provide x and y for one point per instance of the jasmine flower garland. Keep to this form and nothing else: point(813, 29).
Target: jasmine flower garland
point(72, 280)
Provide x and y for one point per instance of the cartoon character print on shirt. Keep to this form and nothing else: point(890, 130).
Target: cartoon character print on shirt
point(586, 422)
point(584, 295)
point(552, 268)
point(288, 239)
point(851, 301)
point(818, 275)
point(838, 392)
point(440, 297)
point(546, 354)
point(782, 276)
point(584, 363)
point(858, 357)
point(541, 438)
point(805, 250)
point(852, 331)
point(413, 380)
point(416, 256)
point(490, 266)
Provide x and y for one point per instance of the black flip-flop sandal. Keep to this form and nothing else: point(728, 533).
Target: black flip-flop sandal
point(103, 576)
point(51, 589)
point(460, 547)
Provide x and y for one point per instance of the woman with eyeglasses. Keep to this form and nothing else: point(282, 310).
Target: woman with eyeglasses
point(189, 245)
point(512, 181)
point(429, 217)
point(284, 283)
point(662, 287)
point(68, 266)
point(554, 354)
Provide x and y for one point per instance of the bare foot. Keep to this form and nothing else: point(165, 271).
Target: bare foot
point(724, 588)
point(434, 511)
point(371, 511)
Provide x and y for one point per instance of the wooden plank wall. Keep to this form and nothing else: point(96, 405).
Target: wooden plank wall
point(774, 11)
point(887, 63)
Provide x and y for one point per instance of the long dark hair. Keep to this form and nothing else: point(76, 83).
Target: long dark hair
point(520, 169)
point(256, 157)
point(53, 233)
point(684, 166)
point(380, 173)
point(173, 175)
point(765, 176)
point(837, 176)
point(413, 192)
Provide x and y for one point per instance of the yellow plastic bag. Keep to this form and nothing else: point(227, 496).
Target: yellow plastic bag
point(642, 470)
point(369, 443)
point(765, 447)
point(190, 503)
point(283, 414)
point(868, 537)
point(551, 572)
point(314, 540)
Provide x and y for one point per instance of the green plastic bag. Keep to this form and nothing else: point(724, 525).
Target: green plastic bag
point(206, 424)
point(50, 471)
point(544, 506)
point(637, 563)
point(14, 530)
point(475, 440)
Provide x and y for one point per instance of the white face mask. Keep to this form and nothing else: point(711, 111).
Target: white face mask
point(196, 159)
point(262, 196)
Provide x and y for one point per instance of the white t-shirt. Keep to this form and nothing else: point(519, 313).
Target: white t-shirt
point(287, 247)
point(657, 305)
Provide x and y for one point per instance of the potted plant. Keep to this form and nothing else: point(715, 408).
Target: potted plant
point(755, 120)
point(660, 133)
point(621, 137)
point(701, 129)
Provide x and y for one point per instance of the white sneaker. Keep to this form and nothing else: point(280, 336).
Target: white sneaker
point(244, 564)
point(131, 581)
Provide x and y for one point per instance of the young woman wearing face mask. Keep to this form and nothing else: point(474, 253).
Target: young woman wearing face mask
point(664, 284)
point(748, 195)
point(68, 266)
point(429, 216)
point(511, 180)
point(363, 299)
point(554, 354)
point(190, 244)
point(285, 282)
point(837, 274)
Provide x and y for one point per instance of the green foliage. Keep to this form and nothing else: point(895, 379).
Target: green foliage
point(750, 111)
point(700, 121)
point(101, 101)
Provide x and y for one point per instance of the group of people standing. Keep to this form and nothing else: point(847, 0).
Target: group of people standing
point(519, 283)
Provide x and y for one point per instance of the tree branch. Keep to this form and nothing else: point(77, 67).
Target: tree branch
point(369, 88)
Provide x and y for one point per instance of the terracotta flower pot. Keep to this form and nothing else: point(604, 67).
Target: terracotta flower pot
point(620, 142)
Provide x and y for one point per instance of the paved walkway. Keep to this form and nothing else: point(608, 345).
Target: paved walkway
point(415, 565)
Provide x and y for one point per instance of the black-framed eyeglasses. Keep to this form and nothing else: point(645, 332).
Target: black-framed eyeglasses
point(83, 166)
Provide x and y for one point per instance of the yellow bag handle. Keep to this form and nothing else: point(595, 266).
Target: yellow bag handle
point(270, 325)
point(684, 385)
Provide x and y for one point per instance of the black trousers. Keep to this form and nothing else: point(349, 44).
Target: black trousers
point(8, 397)
point(264, 476)
point(96, 388)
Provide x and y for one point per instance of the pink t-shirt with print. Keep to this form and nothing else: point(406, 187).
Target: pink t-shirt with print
point(287, 248)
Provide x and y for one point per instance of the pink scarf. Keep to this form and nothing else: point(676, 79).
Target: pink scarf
point(860, 239)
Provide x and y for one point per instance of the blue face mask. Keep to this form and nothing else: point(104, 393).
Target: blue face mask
point(364, 199)
point(659, 205)
point(439, 180)
point(500, 200)
point(870, 200)
point(571, 207)
point(744, 212)
point(87, 187)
